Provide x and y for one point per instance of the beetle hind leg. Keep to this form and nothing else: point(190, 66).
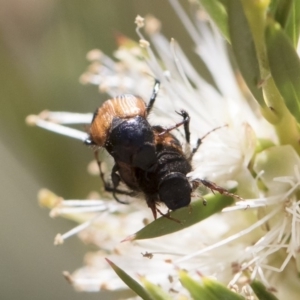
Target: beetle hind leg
point(115, 179)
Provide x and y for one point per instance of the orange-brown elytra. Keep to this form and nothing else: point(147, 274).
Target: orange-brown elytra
point(121, 127)
point(124, 107)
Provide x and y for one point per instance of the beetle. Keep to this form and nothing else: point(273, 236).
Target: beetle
point(167, 182)
point(148, 159)
point(120, 126)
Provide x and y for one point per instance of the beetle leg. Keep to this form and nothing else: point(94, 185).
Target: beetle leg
point(167, 215)
point(216, 188)
point(151, 202)
point(199, 141)
point(185, 122)
point(153, 96)
point(115, 179)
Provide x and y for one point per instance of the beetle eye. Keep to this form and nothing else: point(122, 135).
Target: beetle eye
point(175, 191)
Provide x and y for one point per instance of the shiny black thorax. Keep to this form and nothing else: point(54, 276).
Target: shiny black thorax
point(131, 142)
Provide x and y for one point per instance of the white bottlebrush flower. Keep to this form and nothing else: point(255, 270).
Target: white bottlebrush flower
point(259, 236)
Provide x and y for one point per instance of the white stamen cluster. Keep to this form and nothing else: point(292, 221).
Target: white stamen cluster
point(246, 238)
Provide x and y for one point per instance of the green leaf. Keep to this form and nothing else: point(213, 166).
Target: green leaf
point(273, 6)
point(244, 48)
point(285, 67)
point(219, 290)
point(195, 288)
point(287, 14)
point(261, 291)
point(292, 28)
point(218, 14)
point(207, 289)
point(187, 216)
point(282, 12)
point(156, 292)
point(130, 282)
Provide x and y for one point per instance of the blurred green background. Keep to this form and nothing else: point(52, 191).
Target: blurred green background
point(43, 45)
